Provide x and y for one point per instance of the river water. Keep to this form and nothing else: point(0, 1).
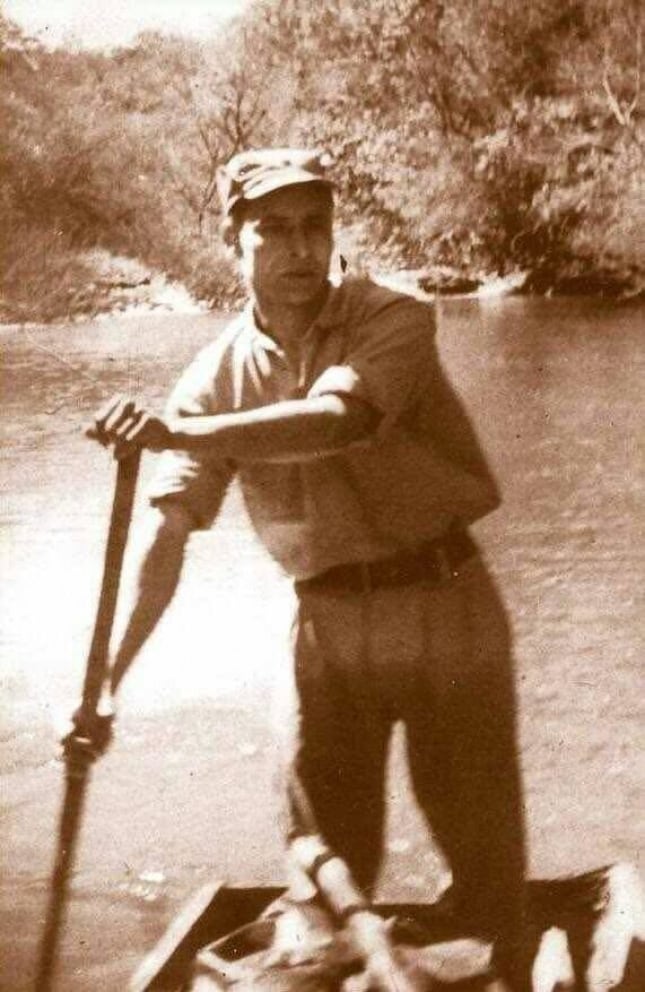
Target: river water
point(186, 793)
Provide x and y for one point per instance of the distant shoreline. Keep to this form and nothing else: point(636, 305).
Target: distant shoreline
point(148, 293)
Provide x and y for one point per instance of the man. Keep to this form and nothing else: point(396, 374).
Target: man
point(361, 473)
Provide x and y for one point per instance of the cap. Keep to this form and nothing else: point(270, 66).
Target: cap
point(252, 174)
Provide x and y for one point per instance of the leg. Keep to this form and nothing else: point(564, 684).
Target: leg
point(463, 755)
point(342, 734)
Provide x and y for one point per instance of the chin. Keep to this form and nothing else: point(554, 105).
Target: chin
point(300, 299)
point(308, 292)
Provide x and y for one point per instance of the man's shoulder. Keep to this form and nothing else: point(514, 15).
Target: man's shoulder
point(214, 362)
point(224, 343)
point(368, 306)
point(364, 297)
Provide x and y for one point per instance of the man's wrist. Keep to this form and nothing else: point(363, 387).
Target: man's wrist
point(177, 439)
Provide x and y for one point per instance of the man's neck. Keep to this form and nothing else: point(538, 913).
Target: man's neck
point(288, 324)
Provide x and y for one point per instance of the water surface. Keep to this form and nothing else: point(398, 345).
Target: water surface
point(556, 389)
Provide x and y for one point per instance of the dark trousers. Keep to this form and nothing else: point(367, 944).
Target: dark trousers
point(437, 658)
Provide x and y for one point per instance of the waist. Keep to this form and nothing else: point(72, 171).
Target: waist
point(435, 561)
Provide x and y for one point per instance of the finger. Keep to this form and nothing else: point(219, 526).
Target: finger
point(109, 414)
point(105, 411)
point(95, 434)
point(120, 415)
point(146, 431)
point(136, 429)
point(132, 435)
point(131, 427)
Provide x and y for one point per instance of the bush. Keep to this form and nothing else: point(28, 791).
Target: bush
point(45, 277)
point(206, 268)
point(484, 137)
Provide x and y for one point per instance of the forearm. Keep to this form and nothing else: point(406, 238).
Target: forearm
point(289, 431)
point(158, 576)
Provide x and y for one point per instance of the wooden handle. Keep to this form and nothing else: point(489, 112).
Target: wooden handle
point(124, 490)
point(77, 759)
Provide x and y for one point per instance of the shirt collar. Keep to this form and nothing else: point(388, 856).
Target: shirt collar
point(255, 332)
point(329, 316)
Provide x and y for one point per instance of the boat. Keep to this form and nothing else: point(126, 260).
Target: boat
point(591, 934)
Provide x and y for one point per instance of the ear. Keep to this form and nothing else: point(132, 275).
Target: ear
point(231, 237)
point(232, 243)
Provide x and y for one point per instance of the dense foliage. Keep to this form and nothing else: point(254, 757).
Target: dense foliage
point(488, 137)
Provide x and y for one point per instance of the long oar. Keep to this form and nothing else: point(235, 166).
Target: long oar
point(79, 752)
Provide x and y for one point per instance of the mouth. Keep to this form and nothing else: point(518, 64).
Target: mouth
point(300, 274)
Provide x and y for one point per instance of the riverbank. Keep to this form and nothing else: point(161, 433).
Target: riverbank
point(97, 282)
point(79, 286)
point(521, 156)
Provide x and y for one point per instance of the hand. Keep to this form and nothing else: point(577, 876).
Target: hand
point(91, 731)
point(127, 426)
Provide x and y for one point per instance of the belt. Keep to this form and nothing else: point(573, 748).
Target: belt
point(435, 561)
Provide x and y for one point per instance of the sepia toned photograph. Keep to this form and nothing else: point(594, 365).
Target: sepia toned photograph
point(323, 496)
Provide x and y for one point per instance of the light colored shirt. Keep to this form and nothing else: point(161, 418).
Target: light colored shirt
point(423, 470)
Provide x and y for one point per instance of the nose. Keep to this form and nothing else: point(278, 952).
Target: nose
point(299, 243)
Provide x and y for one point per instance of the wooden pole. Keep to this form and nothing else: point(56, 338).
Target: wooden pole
point(79, 753)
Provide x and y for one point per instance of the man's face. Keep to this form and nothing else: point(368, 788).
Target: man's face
point(284, 245)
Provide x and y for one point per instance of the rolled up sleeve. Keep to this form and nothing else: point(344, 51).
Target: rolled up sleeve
point(196, 482)
point(389, 359)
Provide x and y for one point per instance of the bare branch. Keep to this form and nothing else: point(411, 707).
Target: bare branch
point(637, 70)
point(612, 100)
